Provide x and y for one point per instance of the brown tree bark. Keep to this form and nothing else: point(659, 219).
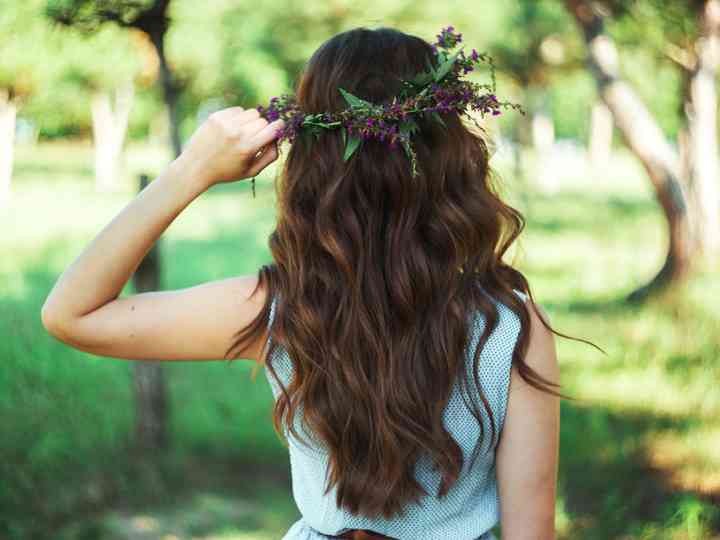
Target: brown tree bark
point(151, 402)
point(645, 139)
point(170, 92)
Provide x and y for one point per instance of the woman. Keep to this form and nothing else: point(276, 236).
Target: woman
point(386, 281)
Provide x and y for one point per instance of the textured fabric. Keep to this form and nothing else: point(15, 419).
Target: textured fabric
point(471, 507)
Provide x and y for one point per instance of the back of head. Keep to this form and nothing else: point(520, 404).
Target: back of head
point(376, 272)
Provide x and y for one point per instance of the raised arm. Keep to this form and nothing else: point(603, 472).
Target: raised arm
point(527, 455)
point(85, 309)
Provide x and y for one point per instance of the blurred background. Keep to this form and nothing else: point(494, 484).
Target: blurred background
point(615, 167)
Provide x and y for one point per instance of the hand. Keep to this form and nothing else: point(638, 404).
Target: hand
point(232, 144)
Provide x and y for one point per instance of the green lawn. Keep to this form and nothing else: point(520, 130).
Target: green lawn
point(640, 455)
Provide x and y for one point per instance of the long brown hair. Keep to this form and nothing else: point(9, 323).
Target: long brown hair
point(374, 274)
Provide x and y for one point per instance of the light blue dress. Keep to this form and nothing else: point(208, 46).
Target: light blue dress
point(471, 507)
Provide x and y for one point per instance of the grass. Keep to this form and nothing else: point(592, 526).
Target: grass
point(639, 455)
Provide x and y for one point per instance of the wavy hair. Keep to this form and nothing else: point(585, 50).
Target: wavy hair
point(375, 273)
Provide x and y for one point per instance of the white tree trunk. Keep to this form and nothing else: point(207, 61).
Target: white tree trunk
point(8, 113)
point(701, 110)
point(543, 130)
point(109, 130)
point(646, 140)
point(543, 137)
point(601, 132)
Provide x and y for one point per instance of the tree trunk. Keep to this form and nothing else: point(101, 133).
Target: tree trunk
point(170, 91)
point(601, 132)
point(543, 137)
point(151, 403)
point(543, 130)
point(518, 164)
point(8, 113)
point(646, 140)
point(109, 130)
point(701, 110)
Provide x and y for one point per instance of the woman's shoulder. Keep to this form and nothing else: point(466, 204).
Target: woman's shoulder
point(541, 353)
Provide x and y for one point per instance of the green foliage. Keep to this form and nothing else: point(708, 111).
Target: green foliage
point(437, 118)
point(520, 53)
point(354, 101)
point(352, 144)
point(233, 54)
point(653, 36)
point(25, 48)
point(570, 102)
point(91, 15)
point(652, 24)
point(445, 65)
point(659, 84)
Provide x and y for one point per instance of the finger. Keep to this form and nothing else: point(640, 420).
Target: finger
point(249, 129)
point(268, 156)
point(267, 134)
point(245, 116)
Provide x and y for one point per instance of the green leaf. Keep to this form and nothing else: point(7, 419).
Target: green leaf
point(408, 149)
point(354, 101)
point(343, 132)
point(351, 146)
point(410, 152)
point(305, 136)
point(431, 69)
point(422, 78)
point(446, 66)
point(437, 118)
point(408, 127)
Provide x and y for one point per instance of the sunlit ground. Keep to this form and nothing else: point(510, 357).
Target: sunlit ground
point(640, 456)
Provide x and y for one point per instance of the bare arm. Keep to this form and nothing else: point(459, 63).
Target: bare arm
point(527, 456)
point(84, 308)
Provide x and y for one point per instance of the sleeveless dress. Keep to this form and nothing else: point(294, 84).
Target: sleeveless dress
point(471, 507)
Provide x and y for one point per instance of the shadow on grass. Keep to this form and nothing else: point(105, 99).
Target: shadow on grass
point(583, 209)
point(609, 488)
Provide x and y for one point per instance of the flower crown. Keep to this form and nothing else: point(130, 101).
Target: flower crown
point(436, 90)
